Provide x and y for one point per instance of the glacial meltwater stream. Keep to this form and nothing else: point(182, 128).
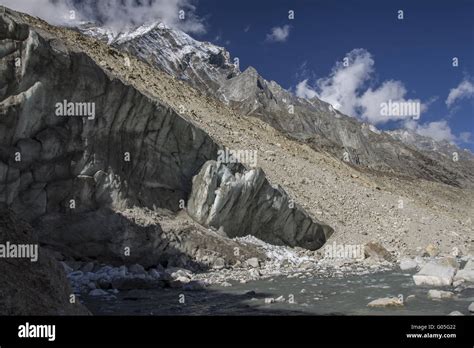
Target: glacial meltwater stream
point(293, 296)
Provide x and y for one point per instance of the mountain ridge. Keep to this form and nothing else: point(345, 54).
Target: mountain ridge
point(312, 121)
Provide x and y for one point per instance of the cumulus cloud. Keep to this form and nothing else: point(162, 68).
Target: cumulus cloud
point(345, 89)
point(279, 34)
point(463, 91)
point(115, 14)
point(53, 12)
point(304, 91)
point(437, 130)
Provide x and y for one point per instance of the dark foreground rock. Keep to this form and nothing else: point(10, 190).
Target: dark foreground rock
point(32, 288)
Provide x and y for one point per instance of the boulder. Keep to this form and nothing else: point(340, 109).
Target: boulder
point(386, 302)
point(471, 307)
point(408, 264)
point(179, 282)
point(377, 251)
point(253, 262)
point(137, 269)
point(436, 273)
point(241, 202)
point(195, 285)
point(88, 267)
point(440, 294)
point(219, 263)
point(467, 273)
point(431, 251)
point(98, 292)
point(175, 272)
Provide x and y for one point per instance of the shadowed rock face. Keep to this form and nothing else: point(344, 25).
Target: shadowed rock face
point(32, 288)
point(242, 202)
point(135, 151)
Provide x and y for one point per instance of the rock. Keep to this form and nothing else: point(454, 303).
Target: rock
point(467, 273)
point(254, 273)
point(455, 313)
point(440, 294)
point(431, 251)
point(32, 288)
point(253, 262)
point(98, 292)
point(182, 280)
point(76, 274)
point(471, 307)
point(436, 273)
point(306, 265)
point(242, 202)
point(377, 251)
point(226, 284)
point(410, 298)
point(137, 269)
point(219, 263)
point(408, 264)
point(104, 283)
point(386, 302)
point(179, 273)
point(269, 300)
point(88, 267)
point(194, 285)
point(449, 261)
point(156, 275)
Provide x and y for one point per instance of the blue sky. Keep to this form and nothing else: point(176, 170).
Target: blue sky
point(416, 51)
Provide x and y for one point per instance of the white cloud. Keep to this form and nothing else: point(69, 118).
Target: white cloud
point(279, 34)
point(116, 14)
point(345, 90)
point(54, 13)
point(465, 137)
point(341, 87)
point(464, 90)
point(304, 91)
point(438, 130)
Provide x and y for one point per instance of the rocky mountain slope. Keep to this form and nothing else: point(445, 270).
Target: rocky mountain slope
point(209, 69)
point(402, 213)
point(201, 64)
point(76, 176)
